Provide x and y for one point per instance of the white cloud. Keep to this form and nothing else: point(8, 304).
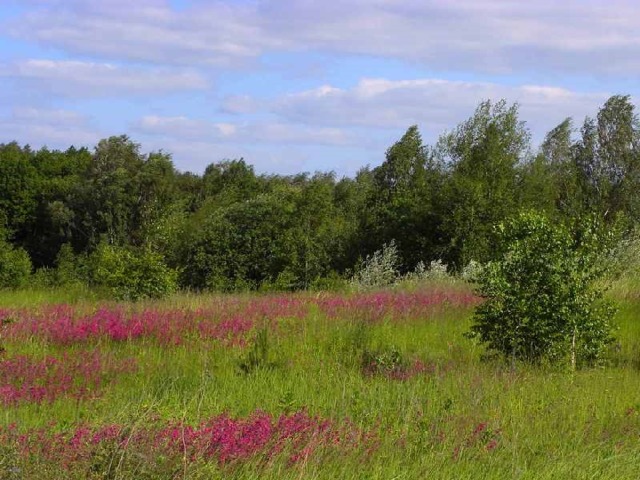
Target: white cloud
point(581, 36)
point(49, 127)
point(240, 104)
point(49, 116)
point(76, 78)
point(185, 128)
point(217, 34)
point(435, 104)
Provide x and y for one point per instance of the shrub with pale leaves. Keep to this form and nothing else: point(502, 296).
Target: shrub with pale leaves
point(471, 271)
point(378, 270)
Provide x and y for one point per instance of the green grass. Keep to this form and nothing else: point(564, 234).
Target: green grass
point(548, 423)
point(34, 296)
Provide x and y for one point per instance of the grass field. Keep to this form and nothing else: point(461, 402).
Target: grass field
point(328, 386)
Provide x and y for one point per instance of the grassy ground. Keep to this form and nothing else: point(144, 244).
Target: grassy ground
point(408, 394)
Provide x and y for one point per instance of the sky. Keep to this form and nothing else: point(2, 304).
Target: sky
point(301, 85)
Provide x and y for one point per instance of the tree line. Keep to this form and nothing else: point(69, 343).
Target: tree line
point(89, 216)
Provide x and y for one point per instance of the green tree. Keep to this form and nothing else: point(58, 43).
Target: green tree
point(230, 181)
point(608, 160)
point(482, 154)
point(19, 184)
point(15, 265)
point(402, 201)
point(549, 181)
point(543, 297)
point(157, 195)
point(320, 232)
point(239, 246)
point(52, 224)
point(352, 197)
point(105, 201)
point(131, 274)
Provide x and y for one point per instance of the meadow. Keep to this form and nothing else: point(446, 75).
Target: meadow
point(309, 385)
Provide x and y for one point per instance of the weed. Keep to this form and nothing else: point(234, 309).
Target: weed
point(257, 358)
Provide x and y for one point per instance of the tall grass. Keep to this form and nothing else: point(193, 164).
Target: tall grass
point(459, 415)
point(34, 296)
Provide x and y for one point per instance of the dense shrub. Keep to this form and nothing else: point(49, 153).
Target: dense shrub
point(132, 274)
point(544, 295)
point(378, 270)
point(71, 268)
point(15, 266)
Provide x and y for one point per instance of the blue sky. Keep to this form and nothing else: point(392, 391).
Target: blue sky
point(301, 85)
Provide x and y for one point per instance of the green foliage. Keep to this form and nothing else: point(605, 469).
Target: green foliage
point(332, 282)
point(625, 259)
point(550, 182)
point(132, 274)
point(310, 231)
point(243, 245)
point(606, 159)
point(384, 361)
point(402, 201)
point(543, 297)
point(257, 357)
point(71, 268)
point(19, 184)
point(53, 223)
point(230, 181)
point(231, 229)
point(319, 232)
point(15, 266)
point(286, 281)
point(484, 153)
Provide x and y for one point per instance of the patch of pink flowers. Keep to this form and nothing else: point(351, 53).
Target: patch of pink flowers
point(24, 379)
point(222, 439)
point(62, 325)
point(228, 320)
point(376, 306)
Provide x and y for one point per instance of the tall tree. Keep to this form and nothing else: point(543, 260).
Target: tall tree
point(19, 184)
point(240, 245)
point(229, 181)
point(402, 200)
point(608, 159)
point(321, 232)
point(157, 194)
point(483, 154)
point(105, 203)
point(352, 199)
point(60, 173)
point(549, 182)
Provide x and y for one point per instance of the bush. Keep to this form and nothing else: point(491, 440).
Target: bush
point(132, 274)
point(44, 278)
point(258, 355)
point(543, 298)
point(71, 269)
point(388, 361)
point(471, 272)
point(378, 270)
point(286, 281)
point(332, 282)
point(15, 266)
point(436, 271)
